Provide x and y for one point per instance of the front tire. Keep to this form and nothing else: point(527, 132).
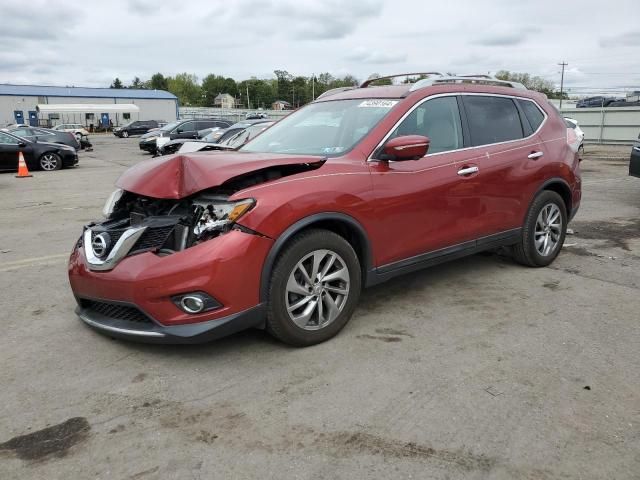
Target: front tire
point(544, 231)
point(125, 134)
point(314, 288)
point(50, 161)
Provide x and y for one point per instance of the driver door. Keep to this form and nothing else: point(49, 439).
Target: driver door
point(420, 203)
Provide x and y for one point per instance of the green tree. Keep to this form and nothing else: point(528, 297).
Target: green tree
point(185, 86)
point(117, 83)
point(384, 81)
point(213, 85)
point(158, 82)
point(284, 84)
point(536, 83)
point(137, 83)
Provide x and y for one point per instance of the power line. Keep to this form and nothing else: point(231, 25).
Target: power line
point(563, 64)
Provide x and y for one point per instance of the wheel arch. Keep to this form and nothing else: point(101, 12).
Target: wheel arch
point(344, 225)
point(561, 187)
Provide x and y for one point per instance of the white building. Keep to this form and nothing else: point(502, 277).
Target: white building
point(18, 105)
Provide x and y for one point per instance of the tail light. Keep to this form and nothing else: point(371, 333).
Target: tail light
point(572, 140)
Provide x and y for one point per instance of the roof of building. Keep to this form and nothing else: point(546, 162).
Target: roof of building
point(284, 102)
point(49, 91)
point(223, 95)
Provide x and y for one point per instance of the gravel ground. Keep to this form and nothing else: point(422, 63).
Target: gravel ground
point(479, 368)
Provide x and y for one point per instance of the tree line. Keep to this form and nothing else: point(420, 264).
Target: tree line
point(297, 90)
point(191, 92)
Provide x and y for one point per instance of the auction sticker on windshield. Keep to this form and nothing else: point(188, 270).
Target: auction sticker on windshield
point(378, 103)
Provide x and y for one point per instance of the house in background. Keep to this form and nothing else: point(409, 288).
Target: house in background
point(280, 105)
point(224, 100)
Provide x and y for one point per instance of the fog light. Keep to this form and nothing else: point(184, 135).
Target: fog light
point(196, 302)
point(192, 304)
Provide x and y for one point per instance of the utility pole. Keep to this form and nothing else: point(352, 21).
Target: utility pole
point(563, 64)
point(248, 103)
point(313, 87)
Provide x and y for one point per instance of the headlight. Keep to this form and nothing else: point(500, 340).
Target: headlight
point(110, 204)
point(219, 215)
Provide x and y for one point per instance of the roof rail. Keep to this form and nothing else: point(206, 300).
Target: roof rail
point(368, 82)
point(333, 91)
point(477, 80)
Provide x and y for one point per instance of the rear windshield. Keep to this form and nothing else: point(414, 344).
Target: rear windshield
point(325, 128)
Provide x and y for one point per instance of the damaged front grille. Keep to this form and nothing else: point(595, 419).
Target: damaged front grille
point(152, 238)
point(115, 311)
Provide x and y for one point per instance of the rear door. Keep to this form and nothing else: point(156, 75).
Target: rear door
point(506, 150)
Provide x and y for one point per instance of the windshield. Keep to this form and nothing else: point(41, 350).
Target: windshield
point(170, 126)
point(326, 128)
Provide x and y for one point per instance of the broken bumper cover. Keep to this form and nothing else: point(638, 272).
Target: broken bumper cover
point(134, 300)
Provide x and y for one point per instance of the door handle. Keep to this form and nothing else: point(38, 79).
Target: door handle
point(468, 171)
point(535, 155)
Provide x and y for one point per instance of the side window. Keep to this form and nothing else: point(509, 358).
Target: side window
point(42, 133)
point(7, 139)
point(438, 119)
point(187, 127)
point(22, 132)
point(492, 119)
point(532, 112)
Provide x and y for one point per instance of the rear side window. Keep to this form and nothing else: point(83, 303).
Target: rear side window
point(533, 113)
point(438, 119)
point(492, 119)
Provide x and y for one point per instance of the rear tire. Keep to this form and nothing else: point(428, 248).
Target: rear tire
point(543, 232)
point(314, 288)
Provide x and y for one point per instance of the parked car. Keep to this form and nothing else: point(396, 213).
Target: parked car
point(634, 161)
point(215, 136)
point(255, 115)
point(37, 155)
point(172, 146)
point(75, 128)
point(138, 127)
point(348, 191)
point(38, 134)
point(179, 129)
point(233, 142)
point(13, 125)
point(593, 102)
point(572, 123)
point(624, 103)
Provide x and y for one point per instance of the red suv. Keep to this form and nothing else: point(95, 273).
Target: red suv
point(355, 188)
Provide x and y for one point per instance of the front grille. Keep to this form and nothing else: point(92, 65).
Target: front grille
point(115, 311)
point(114, 235)
point(153, 238)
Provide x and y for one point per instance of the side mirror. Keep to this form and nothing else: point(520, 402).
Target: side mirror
point(22, 144)
point(407, 147)
point(35, 139)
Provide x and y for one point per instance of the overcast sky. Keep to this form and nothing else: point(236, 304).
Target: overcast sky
point(88, 43)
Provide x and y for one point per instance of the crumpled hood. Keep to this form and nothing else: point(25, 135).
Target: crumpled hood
point(178, 176)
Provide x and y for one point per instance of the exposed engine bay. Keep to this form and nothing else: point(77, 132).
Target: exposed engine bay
point(136, 223)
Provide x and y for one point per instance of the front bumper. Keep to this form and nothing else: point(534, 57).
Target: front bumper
point(69, 159)
point(228, 268)
point(148, 146)
point(190, 333)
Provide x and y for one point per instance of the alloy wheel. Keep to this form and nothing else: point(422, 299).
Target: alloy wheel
point(49, 161)
point(317, 289)
point(548, 229)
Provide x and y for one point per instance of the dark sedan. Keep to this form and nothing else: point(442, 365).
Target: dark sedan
point(139, 127)
point(37, 155)
point(634, 162)
point(187, 129)
point(37, 134)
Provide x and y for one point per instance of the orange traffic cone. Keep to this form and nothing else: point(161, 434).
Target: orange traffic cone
point(23, 171)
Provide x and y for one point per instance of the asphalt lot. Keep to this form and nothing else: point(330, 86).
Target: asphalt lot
point(476, 369)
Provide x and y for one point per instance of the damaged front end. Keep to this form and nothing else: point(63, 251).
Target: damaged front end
point(137, 224)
